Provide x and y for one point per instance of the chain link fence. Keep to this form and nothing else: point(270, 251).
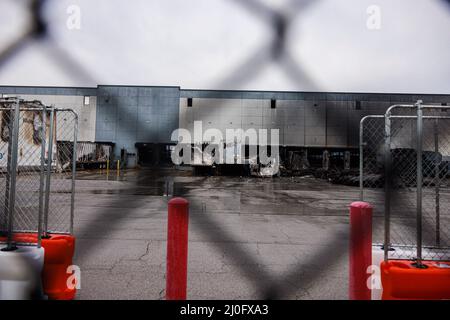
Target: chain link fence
point(417, 222)
point(275, 50)
point(23, 147)
point(37, 169)
point(62, 182)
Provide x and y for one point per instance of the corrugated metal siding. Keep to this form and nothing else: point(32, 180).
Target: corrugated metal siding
point(126, 115)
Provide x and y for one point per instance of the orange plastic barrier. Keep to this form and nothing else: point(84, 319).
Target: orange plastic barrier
point(401, 280)
point(59, 251)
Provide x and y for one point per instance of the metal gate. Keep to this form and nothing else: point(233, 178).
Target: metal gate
point(405, 172)
point(37, 169)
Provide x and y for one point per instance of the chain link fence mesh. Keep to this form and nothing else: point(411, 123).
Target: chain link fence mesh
point(29, 176)
point(403, 231)
point(62, 183)
point(38, 185)
point(401, 128)
point(436, 192)
point(6, 118)
point(274, 51)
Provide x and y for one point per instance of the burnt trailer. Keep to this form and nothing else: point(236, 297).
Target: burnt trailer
point(91, 154)
point(31, 121)
point(61, 123)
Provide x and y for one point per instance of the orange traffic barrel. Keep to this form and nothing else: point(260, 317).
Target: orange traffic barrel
point(59, 251)
point(58, 254)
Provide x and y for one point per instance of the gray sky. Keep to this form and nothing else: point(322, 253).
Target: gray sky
point(199, 43)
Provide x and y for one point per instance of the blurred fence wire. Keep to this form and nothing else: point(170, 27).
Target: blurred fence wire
point(275, 50)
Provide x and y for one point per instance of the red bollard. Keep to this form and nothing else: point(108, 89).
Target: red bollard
point(360, 250)
point(177, 249)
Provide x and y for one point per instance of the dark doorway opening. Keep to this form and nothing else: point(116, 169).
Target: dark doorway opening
point(154, 154)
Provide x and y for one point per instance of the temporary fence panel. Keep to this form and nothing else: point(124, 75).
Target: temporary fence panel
point(409, 163)
point(37, 168)
point(24, 151)
point(60, 192)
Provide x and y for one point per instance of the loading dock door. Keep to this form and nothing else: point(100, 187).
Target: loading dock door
point(153, 154)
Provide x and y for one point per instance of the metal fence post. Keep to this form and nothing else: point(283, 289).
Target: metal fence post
point(437, 182)
point(74, 168)
point(419, 181)
point(361, 159)
point(8, 176)
point(12, 173)
point(42, 174)
point(387, 184)
point(49, 169)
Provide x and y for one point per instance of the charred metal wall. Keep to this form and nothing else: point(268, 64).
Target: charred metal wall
point(129, 115)
point(323, 120)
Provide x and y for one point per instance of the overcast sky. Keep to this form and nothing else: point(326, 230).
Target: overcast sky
point(203, 43)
